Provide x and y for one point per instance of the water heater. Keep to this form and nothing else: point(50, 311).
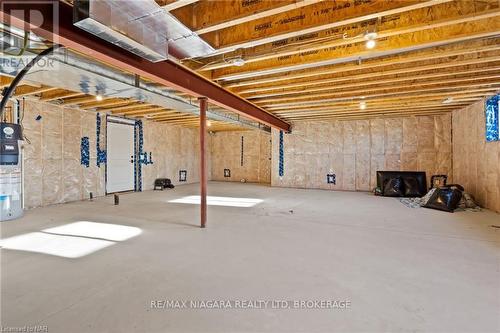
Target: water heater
point(11, 206)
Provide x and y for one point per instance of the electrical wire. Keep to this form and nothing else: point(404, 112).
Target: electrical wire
point(21, 118)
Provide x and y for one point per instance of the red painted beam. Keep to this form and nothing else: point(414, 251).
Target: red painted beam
point(203, 160)
point(58, 27)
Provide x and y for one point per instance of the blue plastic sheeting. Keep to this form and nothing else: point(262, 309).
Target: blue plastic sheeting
point(281, 156)
point(492, 118)
point(101, 154)
point(85, 152)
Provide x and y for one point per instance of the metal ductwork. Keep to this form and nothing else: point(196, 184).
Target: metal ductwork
point(70, 71)
point(10, 45)
point(141, 27)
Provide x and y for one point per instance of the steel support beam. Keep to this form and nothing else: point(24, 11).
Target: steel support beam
point(57, 26)
point(203, 160)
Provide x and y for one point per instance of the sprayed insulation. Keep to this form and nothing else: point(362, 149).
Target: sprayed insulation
point(355, 150)
point(476, 163)
point(226, 154)
point(52, 170)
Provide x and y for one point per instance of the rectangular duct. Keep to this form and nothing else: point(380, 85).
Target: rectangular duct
point(141, 27)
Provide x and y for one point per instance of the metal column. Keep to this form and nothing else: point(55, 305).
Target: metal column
point(203, 161)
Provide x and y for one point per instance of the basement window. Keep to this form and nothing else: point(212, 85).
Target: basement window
point(219, 201)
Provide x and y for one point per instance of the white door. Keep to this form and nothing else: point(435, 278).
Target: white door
point(120, 159)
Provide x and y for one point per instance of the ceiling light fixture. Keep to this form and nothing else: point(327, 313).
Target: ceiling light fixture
point(209, 123)
point(99, 97)
point(371, 44)
point(370, 39)
point(238, 62)
point(362, 105)
point(448, 100)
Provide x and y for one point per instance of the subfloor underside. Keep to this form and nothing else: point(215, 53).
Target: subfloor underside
point(400, 269)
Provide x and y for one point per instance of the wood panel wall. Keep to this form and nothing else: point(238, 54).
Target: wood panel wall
point(476, 163)
point(226, 154)
point(355, 150)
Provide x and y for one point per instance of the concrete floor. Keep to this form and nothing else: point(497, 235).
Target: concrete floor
point(402, 269)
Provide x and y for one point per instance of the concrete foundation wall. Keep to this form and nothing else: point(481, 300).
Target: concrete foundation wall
point(355, 150)
point(52, 169)
point(226, 154)
point(476, 163)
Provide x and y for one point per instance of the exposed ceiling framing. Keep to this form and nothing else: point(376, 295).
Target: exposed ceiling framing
point(307, 59)
point(167, 73)
point(311, 62)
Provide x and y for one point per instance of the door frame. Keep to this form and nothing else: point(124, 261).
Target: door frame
point(123, 121)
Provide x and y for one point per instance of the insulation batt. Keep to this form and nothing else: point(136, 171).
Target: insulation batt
point(355, 150)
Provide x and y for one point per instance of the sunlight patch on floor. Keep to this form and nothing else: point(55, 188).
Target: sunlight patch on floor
point(112, 232)
point(73, 240)
point(219, 201)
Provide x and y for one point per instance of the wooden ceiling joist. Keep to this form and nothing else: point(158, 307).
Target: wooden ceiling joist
point(464, 92)
point(408, 59)
point(171, 5)
point(347, 53)
point(174, 115)
point(370, 108)
point(5, 81)
point(442, 15)
point(25, 90)
point(374, 115)
point(177, 119)
point(79, 100)
point(400, 100)
point(435, 78)
point(152, 115)
point(488, 87)
point(407, 111)
point(442, 68)
point(308, 20)
point(136, 106)
point(421, 80)
point(492, 80)
point(112, 102)
point(151, 109)
point(59, 94)
point(223, 16)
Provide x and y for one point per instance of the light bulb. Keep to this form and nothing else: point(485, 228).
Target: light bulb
point(239, 62)
point(362, 105)
point(370, 44)
point(99, 97)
